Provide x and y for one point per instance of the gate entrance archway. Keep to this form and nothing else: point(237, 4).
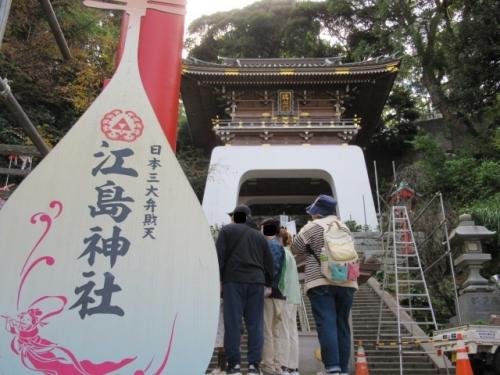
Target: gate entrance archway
point(272, 196)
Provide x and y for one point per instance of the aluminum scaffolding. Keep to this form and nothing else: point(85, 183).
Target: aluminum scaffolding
point(404, 273)
point(404, 276)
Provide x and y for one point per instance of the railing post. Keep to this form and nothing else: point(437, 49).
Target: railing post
point(56, 28)
point(21, 117)
point(4, 15)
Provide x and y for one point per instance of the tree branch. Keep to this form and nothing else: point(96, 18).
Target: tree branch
point(431, 40)
point(443, 7)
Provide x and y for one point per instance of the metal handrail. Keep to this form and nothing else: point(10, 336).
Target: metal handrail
point(304, 320)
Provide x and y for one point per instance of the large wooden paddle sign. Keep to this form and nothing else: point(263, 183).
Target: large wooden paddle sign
point(107, 265)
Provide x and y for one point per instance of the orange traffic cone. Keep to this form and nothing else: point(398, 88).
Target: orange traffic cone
point(463, 366)
point(361, 363)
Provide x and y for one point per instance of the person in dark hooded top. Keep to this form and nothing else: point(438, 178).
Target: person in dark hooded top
point(246, 268)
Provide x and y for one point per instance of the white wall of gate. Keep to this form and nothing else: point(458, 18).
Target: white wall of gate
point(342, 166)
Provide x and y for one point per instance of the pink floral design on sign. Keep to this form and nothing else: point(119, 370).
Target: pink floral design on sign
point(119, 125)
point(44, 356)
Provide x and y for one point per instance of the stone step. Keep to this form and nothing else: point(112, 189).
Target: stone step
point(406, 365)
point(389, 352)
point(373, 329)
point(396, 371)
point(371, 311)
point(372, 339)
point(395, 358)
point(373, 333)
point(375, 303)
point(386, 321)
point(394, 361)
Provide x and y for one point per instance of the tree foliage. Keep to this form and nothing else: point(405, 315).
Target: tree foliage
point(451, 50)
point(463, 178)
point(193, 161)
point(470, 184)
point(272, 28)
point(54, 92)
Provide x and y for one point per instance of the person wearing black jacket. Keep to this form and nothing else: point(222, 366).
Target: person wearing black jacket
point(246, 268)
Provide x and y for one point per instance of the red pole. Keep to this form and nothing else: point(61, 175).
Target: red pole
point(160, 59)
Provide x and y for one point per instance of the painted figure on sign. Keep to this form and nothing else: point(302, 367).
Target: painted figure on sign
point(41, 355)
point(44, 356)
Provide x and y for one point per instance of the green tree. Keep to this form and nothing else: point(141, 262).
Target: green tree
point(194, 161)
point(272, 28)
point(397, 128)
point(451, 50)
point(53, 92)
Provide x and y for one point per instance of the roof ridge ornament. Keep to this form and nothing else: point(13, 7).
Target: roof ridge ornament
point(230, 61)
point(333, 60)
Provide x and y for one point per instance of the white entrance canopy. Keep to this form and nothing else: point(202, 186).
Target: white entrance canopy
point(342, 166)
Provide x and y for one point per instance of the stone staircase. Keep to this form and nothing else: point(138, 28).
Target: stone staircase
point(244, 351)
point(381, 361)
point(385, 361)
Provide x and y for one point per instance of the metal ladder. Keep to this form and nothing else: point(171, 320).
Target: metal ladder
point(404, 276)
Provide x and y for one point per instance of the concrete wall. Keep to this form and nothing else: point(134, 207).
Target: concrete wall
point(342, 166)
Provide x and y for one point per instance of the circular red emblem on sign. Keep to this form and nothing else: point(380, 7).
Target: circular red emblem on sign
point(119, 125)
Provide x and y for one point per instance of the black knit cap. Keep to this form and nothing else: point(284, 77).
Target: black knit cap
point(271, 221)
point(242, 208)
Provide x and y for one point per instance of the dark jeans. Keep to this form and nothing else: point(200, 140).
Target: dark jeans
point(331, 307)
point(242, 300)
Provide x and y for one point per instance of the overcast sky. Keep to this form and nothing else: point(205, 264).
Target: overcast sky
point(198, 8)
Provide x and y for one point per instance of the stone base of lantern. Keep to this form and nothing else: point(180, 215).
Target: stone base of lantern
point(477, 307)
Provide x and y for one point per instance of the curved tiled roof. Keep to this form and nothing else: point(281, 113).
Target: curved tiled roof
point(373, 77)
point(296, 66)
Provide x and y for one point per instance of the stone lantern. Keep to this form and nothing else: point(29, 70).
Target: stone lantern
point(478, 298)
point(469, 236)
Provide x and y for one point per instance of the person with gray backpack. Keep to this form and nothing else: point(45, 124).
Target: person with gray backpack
point(332, 268)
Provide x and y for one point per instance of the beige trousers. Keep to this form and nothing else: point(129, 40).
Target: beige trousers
point(274, 354)
point(292, 338)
